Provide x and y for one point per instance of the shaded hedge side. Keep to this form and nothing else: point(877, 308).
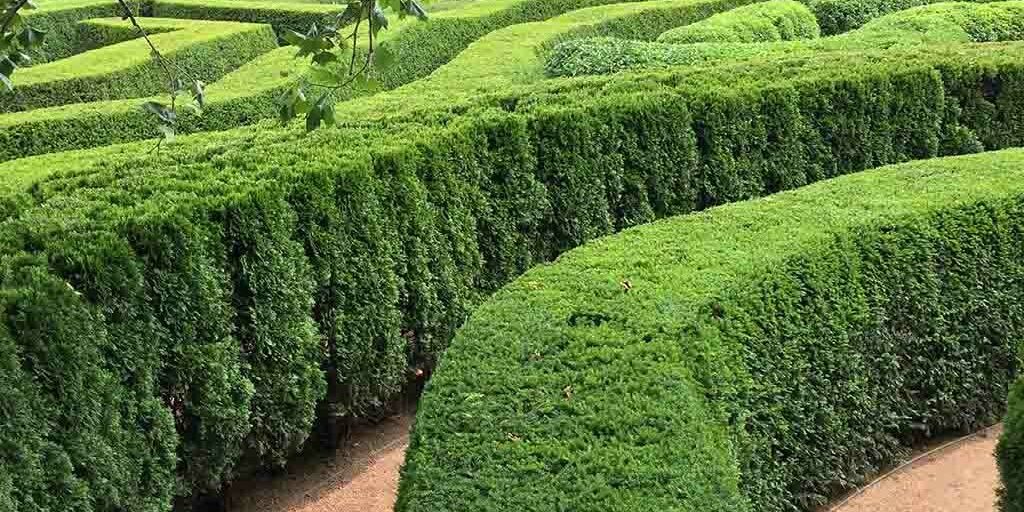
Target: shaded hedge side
point(1010, 453)
point(759, 356)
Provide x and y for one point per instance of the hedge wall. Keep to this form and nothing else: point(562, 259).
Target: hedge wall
point(288, 15)
point(203, 49)
point(248, 95)
point(775, 20)
point(1010, 453)
point(356, 253)
point(60, 19)
point(838, 16)
point(759, 356)
point(928, 25)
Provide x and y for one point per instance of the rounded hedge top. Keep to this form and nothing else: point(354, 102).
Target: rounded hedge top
point(775, 20)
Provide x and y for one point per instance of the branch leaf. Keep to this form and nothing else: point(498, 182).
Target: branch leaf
point(31, 37)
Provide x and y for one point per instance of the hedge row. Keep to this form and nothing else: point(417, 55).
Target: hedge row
point(249, 94)
point(1010, 453)
point(775, 20)
point(289, 15)
point(204, 49)
point(936, 24)
point(355, 253)
point(60, 21)
point(761, 356)
point(838, 16)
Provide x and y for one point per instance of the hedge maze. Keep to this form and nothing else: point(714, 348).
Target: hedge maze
point(773, 246)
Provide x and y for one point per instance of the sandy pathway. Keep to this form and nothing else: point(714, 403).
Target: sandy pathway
point(962, 478)
point(364, 477)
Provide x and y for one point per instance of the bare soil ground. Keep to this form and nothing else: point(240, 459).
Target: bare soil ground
point(961, 478)
point(364, 477)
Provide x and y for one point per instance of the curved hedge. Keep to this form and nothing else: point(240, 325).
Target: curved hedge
point(758, 356)
point(928, 25)
point(775, 20)
point(287, 15)
point(60, 21)
point(204, 49)
point(838, 16)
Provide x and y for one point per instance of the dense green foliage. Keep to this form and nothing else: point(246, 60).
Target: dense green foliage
point(223, 292)
point(936, 24)
point(342, 250)
point(289, 15)
point(60, 22)
point(1010, 452)
point(204, 49)
point(775, 20)
point(758, 356)
point(838, 16)
point(250, 94)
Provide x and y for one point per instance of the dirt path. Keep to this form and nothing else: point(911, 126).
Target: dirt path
point(364, 476)
point(962, 478)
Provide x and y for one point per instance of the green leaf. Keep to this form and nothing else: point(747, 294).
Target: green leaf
point(378, 19)
point(199, 93)
point(167, 131)
point(31, 37)
point(294, 38)
point(326, 108)
point(7, 66)
point(292, 103)
point(6, 81)
point(15, 22)
point(313, 118)
point(383, 58)
point(160, 110)
point(20, 59)
point(322, 58)
point(351, 14)
point(413, 8)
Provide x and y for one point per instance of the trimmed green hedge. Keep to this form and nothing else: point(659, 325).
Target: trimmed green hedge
point(775, 20)
point(288, 15)
point(759, 356)
point(358, 252)
point(1010, 453)
point(838, 16)
point(928, 25)
point(248, 95)
point(60, 21)
point(203, 49)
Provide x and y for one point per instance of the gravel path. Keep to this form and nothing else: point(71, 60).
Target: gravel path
point(962, 478)
point(364, 478)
